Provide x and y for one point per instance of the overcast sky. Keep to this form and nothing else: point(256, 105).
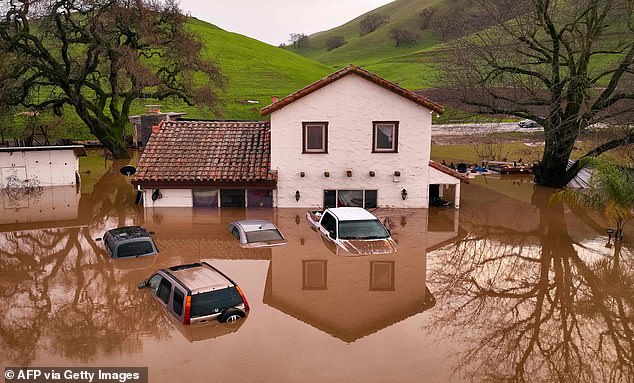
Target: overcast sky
point(272, 21)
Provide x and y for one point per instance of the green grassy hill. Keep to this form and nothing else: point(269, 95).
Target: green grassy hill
point(409, 65)
point(254, 70)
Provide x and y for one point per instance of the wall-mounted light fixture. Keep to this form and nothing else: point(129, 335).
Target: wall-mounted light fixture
point(302, 174)
point(326, 174)
point(372, 173)
point(404, 194)
point(397, 173)
point(349, 173)
point(297, 195)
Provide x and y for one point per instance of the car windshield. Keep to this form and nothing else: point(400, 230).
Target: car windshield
point(366, 229)
point(263, 236)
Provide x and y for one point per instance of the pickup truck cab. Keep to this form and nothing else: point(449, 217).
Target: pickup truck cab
point(353, 229)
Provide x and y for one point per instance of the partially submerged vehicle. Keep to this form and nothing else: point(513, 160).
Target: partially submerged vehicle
point(129, 242)
point(197, 293)
point(256, 233)
point(353, 229)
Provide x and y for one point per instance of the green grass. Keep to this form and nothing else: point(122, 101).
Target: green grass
point(254, 71)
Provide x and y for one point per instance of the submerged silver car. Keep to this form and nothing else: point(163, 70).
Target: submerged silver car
point(256, 233)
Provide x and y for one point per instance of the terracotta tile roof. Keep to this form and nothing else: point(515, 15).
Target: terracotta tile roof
point(192, 153)
point(450, 171)
point(352, 69)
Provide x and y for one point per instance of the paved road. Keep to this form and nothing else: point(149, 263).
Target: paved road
point(481, 128)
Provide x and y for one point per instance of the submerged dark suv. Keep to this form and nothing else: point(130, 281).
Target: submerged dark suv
point(129, 242)
point(198, 292)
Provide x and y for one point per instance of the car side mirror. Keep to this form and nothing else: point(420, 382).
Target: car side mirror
point(143, 285)
point(151, 232)
point(331, 234)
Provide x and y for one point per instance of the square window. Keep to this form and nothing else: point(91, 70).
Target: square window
point(385, 137)
point(315, 137)
point(381, 276)
point(315, 275)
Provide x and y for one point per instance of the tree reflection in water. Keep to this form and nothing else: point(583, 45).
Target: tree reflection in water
point(534, 305)
point(62, 295)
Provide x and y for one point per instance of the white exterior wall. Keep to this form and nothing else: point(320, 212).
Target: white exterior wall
point(48, 167)
point(350, 105)
point(170, 198)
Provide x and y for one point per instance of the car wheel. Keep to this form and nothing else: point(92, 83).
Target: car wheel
point(231, 316)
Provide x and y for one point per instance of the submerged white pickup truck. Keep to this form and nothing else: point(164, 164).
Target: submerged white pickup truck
point(353, 229)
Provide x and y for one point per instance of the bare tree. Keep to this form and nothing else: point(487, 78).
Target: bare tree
point(335, 42)
point(98, 57)
point(425, 17)
point(299, 40)
point(403, 36)
point(566, 65)
point(526, 306)
point(372, 22)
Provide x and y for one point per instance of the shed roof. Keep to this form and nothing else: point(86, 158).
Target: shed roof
point(352, 69)
point(79, 150)
point(449, 171)
point(191, 153)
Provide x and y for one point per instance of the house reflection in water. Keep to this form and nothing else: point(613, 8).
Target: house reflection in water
point(352, 297)
point(44, 204)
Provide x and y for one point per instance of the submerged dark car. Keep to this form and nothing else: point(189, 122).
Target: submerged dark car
point(129, 242)
point(197, 293)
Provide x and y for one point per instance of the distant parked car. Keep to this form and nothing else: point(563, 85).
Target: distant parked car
point(197, 293)
point(528, 124)
point(256, 233)
point(129, 242)
point(353, 229)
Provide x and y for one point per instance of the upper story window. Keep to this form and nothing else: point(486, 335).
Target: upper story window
point(315, 137)
point(385, 137)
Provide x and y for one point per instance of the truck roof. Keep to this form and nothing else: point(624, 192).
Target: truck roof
point(351, 213)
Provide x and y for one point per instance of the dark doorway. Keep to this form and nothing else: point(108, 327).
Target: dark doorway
point(232, 198)
point(434, 194)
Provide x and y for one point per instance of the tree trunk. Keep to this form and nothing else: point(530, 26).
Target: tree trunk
point(109, 134)
point(552, 169)
point(116, 146)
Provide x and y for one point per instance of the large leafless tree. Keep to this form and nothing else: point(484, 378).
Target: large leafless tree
point(98, 57)
point(565, 64)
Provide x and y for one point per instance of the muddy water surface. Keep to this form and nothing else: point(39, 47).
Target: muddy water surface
point(507, 288)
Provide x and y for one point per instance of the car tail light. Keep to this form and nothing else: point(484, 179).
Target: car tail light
point(244, 299)
point(188, 308)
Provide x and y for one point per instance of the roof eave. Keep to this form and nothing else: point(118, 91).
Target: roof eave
point(352, 69)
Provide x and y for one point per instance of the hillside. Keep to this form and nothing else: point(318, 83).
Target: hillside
point(434, 22)
point(255, 71)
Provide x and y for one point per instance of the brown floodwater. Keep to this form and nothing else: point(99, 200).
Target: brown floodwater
point(508, 288)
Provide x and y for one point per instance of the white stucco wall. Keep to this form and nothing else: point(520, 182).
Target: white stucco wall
point(170, 198)
point(47, 167)
point(350, 105)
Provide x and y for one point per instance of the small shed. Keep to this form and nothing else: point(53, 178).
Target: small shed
point(40, 165)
